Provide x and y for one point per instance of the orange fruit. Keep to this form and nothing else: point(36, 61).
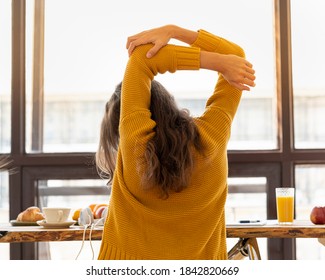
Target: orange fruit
point(76, 214)
point(98, 206)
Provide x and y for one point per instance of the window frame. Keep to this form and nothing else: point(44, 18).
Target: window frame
point(276, 165)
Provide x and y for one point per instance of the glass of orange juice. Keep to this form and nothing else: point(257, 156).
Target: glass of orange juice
point(285, 198)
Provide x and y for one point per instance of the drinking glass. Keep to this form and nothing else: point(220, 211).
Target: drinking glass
point(285, 198)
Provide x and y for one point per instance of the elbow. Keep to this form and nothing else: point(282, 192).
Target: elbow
point(140, 52)
point(236, 50)
point(139, 59)
point(232, 48)
point(239, 51)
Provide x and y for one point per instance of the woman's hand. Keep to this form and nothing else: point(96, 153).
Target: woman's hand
point(236, 70)
point(159, 37)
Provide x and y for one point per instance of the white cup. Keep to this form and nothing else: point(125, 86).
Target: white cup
point(56, 214)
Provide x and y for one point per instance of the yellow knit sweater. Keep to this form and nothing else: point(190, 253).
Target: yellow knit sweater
point(189, 224)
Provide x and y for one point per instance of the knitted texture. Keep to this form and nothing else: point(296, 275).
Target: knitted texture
point(189, 224)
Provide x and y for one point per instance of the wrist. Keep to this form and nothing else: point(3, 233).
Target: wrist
point(172, 30)
point(211, 61)
point(185, 35)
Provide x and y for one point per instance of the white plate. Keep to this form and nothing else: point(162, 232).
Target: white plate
point(66, 224)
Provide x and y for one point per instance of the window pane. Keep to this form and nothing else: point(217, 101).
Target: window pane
point(5, 76)
point(310, 192)
point(4, 210)
point(247, 201)
point(308, 44)
point(74, 194)
point(84, 60)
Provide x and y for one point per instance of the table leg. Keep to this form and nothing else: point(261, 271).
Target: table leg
point(321, 240)
point(253, 250)
point(245, 247)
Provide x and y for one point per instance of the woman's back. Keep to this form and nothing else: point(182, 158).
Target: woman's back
point(189, 224)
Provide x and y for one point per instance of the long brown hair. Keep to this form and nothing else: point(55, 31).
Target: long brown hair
point(4, 162)
point(169, 154)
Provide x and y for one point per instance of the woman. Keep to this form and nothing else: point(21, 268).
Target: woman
point(169, 170)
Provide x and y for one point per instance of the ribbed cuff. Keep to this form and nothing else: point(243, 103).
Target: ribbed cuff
point(207, 41)
point(188, 58)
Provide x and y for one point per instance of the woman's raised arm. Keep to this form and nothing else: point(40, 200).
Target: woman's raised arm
point(235, 68)
point(160, 37)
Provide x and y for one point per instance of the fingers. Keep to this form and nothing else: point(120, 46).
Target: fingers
point(241, 86)
point(247, 81)
point(133, 43)
point(248, 64)
point(132, 38)
point(250, 70)
point(159, 37)
point(150, 53)
point(154, 50)
point(249, 75)
point(131, 48)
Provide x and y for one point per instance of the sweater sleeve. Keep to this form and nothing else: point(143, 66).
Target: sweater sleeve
point(209, 42)
point(225, 97)
point(140, 71)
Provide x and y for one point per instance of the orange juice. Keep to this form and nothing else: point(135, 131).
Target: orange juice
point(285, 206)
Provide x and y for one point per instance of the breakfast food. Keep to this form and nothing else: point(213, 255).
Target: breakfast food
point(317, 215)
point(76, 214)
point(99, 205)
point(31, 214)
point(100, 212)
point(95, 211)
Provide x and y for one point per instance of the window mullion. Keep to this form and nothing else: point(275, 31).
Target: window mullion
point(38, 78)
point(285, 102)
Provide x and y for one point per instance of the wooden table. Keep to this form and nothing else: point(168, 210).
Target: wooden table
point(299, 229)
point(246, 246)
point(17, 234)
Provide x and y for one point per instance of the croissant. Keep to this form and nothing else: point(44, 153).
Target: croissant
point(31, 214)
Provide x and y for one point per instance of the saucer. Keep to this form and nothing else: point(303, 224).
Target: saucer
point(66, 224)
point(19, 223)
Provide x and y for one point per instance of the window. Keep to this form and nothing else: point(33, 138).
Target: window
point(310, 180)
point(63, 71)
point(84, 60)
point(310, 192)
point(5, 75)
point(5, 112)
point(308, 71)
point(247, 200)
point(309, 103)
point(4, 210)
